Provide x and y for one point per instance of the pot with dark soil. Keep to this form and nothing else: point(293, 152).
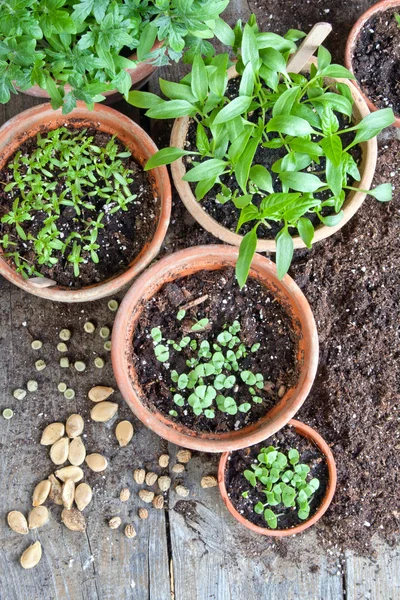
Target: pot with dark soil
point(208, 365)
point(373, 55)
point(79, 217)
point(265, 159)
point(282, 485)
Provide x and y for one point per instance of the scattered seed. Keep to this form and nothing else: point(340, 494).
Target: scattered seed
point(55, 490)
point(163, 461)
point(164, 483)
point(124, 433)
point(105, 332)
point(64, 362)
point(38, 516)
point(158, 502)
point(70, 472)
point(17, 522)
point(139, 475)
point(68, 493)
point(114, 523)
point(73, 519)
point(151, 478)
point(74, 426)
point(59, 451)
point(41, 492)
point(143, 513)
point(65, 335)
point(99, 362)
point(130, 531)
point(96, 462)
point(80, 366)
point(178, 468)
point(181, 490)
point(36, 345)
point(183, 456)
point(124, 495)
point(19, 394)
point(61, 347)
point(146, 496)
point(69, 394)
point(77, 452)
point(83, 495)
point(31, 556)
point(8, 413)
point(52, 433)
point(112, 305)
point(107, 346)
point(40, 365)
point(103, 411)
point(209, 481)
point(100, 393)
point(281, 391)
point(32, 385)
point(89, 327)
point(62, 387)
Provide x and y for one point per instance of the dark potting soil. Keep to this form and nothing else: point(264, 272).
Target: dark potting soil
point(376, 60)
point(236, 483)
point(262, 319)
point(123, 237)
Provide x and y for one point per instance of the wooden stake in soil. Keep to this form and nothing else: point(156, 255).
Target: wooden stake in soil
point(308, 46)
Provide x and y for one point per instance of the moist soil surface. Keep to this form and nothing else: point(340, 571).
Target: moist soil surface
point(236, 483)
point(123, 237)
point(376, 60)
point(263, 320)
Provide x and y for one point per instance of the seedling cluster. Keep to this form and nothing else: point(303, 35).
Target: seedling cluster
point(214, 372)
point(67, 169)
point(286, 482)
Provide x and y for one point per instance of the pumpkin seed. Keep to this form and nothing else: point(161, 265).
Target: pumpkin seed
point(59, 451)
point(55, 490)
point(74, 426)
point(83, 495)
point(31, 556)
point(52, 433)
point(100, 393)
point(96, 462)
point(32, 385)
point(124, 433)
point(65, 335)
point(17, 522)
point(77, 452)
point(73, 519)
point(68, 493)
point(103, 411)
point(36, 345)
point(112, 305)
point(40, 365)
point(38, 516)
point(70, 472)
point(19, 394)
point(41, 492)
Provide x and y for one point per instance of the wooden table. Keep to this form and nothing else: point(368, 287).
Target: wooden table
point(194, 550)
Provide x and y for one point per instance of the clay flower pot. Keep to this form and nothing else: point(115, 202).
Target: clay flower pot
point(43, 118)
point(185, 263)
point(312, 435)
point(381, 6)
point(352, 203)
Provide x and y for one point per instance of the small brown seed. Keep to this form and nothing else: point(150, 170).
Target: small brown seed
point(143, 513)
point(114, 523)
point(68, 493)
point(17, 522)
point(83, 496)
point(183, 456)
point(55, 490)
point(73, 519)
point(178, 468)
point(96, 462)
point(38, 516)
point(209, 481)
point(164, 483)
point(74, 426)
point(158, 501)
point(52, 433)
point(124, 494)
point(77, 452)
point(139, 475)
point(163, 461)
point(130, 531)
point(59, 451)
point(103, 411)
point(281, 391)
point(31, 556)
point(151, 478)
point(70, 472)
point(99, 393)
point(181, 490)
point(124, 433)
point(41, 492)
point(146, 495)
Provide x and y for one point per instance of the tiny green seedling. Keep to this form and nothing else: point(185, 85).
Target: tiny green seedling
point(397, 17)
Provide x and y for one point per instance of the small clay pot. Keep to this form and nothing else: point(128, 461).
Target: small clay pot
point(43, 118)
point(351, 205)
point(185, 263)
point(312, 435)
point(351, 43)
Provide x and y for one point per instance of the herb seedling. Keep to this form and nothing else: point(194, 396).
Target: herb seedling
point(287, 483)
point(294, 115)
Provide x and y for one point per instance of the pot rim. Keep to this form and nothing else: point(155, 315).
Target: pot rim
point(183, 263)
point(133, 135)
point(353, 199)
point(318, 440)
point(381, 6)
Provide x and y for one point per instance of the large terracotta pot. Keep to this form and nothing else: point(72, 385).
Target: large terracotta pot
point(352, 203)
point(184, 263)
point(43, 118)
point(381, 6)
point(312, 435)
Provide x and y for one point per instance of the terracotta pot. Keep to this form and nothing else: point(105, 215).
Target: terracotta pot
point(43, 118)
point(139, 77)
point(312, 435)
point(381, 6)
point(184, 263)
point(352, 203)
